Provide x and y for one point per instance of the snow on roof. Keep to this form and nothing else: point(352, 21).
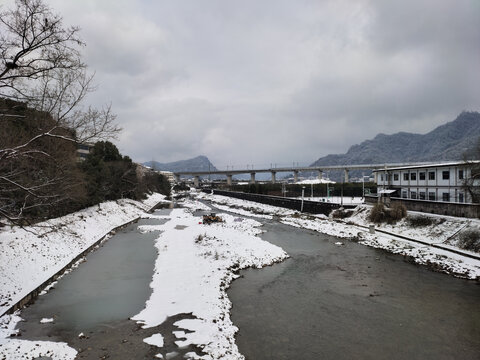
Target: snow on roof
point(387, 191)
point(315, 181)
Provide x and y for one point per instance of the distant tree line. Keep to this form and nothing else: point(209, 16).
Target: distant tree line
point(111, 176)
point(47, 179)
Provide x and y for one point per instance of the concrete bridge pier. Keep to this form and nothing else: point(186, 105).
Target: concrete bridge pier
point(196, 181)
point(320, 175)
point(273, 177)
point(177, 178)
point(346, 175)
point(295, 176)
point(252, 178)
point(229, 179)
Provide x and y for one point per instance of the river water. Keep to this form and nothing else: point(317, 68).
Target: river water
point(325, 302)
point(351, 302)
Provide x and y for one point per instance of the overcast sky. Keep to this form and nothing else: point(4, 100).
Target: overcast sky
point(260, 82)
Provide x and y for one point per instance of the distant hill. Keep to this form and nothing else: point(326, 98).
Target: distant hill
point(199, 163)
point(447, 142)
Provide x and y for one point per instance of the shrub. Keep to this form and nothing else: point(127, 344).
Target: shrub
point(342, 214)
point(377, 214)
point(397, 211)
point(470, 240)
point(420, 221)
point(181, 187)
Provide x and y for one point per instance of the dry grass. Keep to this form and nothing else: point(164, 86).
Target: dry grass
point(380, 214)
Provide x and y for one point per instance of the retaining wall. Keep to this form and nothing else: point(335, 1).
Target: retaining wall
point(313, 207)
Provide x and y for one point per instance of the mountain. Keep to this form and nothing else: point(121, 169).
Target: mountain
point(446, 142)
point(199, 163)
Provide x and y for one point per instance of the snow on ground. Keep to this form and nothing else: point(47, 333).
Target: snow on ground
point(195, 266)
point(244, 207)
point(442, 231)
point(30, 256)
point(23, 349)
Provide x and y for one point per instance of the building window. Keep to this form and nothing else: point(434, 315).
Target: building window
point(460, 197)
point(381, 177)
point(404, 194)
point(395, 177)
point(413, 176)
point(83, 147)
point(460, 175)
point(446, 197)
point(421, 195)
point(431, 195)
point(446, 175)
point(431, 175)
point(421, 176)
point(413, 194)
point(405, 176)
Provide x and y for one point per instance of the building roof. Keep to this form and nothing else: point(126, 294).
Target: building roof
point(387, 191)
point(432, 165)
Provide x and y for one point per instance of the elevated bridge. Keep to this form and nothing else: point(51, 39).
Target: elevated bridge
point(229, 173)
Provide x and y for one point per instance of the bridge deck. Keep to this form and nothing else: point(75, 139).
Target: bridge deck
point(300, 169)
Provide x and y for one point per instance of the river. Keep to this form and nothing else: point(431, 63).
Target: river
point(327, 301)
point(350, 301)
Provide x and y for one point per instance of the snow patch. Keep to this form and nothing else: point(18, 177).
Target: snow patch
point(194, 268)
point(155, 340)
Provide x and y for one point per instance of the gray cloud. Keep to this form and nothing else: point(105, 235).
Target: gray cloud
point(276, 81)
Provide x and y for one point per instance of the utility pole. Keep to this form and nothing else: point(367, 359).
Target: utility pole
point(363, 186)
point(303, 194)
point(311, 191)
point(341, 200)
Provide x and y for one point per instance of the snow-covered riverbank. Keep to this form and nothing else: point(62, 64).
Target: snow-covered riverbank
point(443, 230)
point(30, 256)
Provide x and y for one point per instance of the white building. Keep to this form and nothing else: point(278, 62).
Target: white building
point(433, 182)
point(169, 175)
point(83, 149)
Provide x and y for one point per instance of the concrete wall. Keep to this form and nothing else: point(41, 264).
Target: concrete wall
point(434, 207)
point(313, 207)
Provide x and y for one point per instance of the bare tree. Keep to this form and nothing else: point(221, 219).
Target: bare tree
point(43, 83)
point(33, 41)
